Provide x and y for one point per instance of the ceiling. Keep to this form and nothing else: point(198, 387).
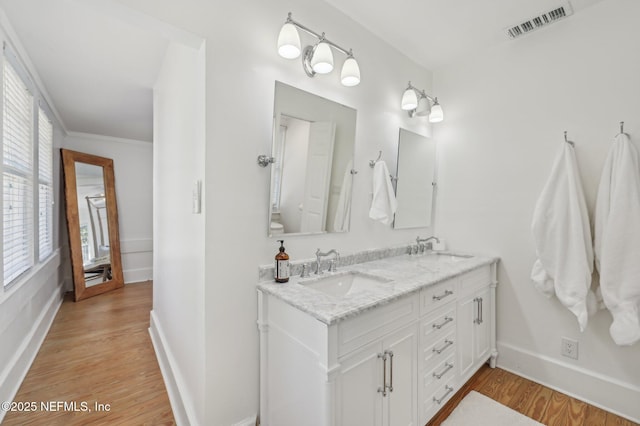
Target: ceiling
point(436, 32)
point(99, 68)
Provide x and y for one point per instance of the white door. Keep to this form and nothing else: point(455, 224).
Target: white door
point(358, 400)
point(483, 328)
point(316, 187)
point(402, 377)
point(467, 318)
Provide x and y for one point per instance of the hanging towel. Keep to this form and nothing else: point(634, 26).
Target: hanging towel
point(617, 240)
point(562, 237)
point(343, 210)
point(384, 204)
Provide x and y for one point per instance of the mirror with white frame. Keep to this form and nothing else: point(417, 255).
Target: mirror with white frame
point(415, 187)
point(312, 149)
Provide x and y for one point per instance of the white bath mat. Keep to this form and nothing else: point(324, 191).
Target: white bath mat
point(478, 410)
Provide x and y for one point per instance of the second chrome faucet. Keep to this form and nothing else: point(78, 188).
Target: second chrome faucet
point(332, 265)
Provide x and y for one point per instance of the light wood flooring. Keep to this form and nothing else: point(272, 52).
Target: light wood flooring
point(538, 402)
point(98, 350)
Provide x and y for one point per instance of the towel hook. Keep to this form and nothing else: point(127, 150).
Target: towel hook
point(372, 163)
point(567, 140)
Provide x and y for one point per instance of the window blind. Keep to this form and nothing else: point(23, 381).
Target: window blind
point(17, 185)
point(45, 187)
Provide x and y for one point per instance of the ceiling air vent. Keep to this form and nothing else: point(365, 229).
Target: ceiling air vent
point(539, 21)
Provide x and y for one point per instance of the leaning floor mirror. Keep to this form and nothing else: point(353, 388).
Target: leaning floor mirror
point(92, 221)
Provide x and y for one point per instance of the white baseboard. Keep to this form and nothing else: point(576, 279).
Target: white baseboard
point(249, 421)
point(137, 275)
point(15, 371)
point(181, 404)
point(599, 390)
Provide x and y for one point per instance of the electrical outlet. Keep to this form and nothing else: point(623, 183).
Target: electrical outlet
point(569, 348)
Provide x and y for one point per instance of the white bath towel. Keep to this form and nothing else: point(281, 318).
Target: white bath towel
point(343, 210)
point(562, 237)
point(384, 204)
point(617, 240)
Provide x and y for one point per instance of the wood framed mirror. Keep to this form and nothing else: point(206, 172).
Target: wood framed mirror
point(92, 221)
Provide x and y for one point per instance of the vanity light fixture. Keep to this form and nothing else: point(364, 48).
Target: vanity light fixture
point(316, 59)
point(418, 104)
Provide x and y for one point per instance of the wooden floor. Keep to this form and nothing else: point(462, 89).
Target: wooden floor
point(538, 402)
point(98, 351)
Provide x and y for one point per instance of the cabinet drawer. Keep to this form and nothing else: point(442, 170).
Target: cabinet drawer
point(438, 350)
point(438, 295)
point(442, 372)
point(433, 401)
point(437, 323)
point(375, 323)
point(475, 280)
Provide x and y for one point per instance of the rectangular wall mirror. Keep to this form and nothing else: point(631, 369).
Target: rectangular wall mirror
point(92, 220)
point(415, 187)
point(313, 146)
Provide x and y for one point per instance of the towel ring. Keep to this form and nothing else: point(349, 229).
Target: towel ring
point(372, 163)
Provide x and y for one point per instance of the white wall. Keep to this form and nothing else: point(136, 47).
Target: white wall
point(239, 117)
point(506, 110)
point(178, 327)
point(132, 162)
point(28, 307)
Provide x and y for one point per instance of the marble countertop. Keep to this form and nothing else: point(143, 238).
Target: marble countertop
point(402, 275)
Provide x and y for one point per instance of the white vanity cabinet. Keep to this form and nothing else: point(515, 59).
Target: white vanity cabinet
point(476, 319)
point(395, 364)
point(377, 384)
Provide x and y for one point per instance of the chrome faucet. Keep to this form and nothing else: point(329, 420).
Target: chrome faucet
point(425, 244)
point(320, 254)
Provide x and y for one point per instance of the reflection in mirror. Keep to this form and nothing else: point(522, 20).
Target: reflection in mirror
point(94, 226)
point(416, 176)
point(313, 145)
point(92, 220)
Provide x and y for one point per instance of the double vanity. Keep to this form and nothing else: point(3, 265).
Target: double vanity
point(387, 339)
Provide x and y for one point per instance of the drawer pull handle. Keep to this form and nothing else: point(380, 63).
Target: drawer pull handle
point(447, 343)
point(446, 321)
point(439, 376)
point(445, 294)
point(383, 389)
point(439, 401)
point(390, 353)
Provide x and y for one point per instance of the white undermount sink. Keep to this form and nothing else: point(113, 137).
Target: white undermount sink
point(343, 284)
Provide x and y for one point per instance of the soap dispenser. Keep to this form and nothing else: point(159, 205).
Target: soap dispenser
point(281, 271)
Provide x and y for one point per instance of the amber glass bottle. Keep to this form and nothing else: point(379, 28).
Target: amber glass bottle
point(282, 265)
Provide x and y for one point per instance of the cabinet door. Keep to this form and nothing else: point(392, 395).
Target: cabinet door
point(402, 377)
point(358, 400)
point(483, 328)
point(467, 319)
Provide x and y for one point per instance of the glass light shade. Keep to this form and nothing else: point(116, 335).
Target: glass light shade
point(322, 60)
point(436, 115)
point(409, 100)
point(350, 75)
point(289, 42)
point(424, 107)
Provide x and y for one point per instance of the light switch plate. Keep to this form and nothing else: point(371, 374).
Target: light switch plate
point(197, 197)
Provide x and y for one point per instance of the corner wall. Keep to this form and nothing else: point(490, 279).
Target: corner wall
point(506, 112)
point(132, 161)
point(178, 318)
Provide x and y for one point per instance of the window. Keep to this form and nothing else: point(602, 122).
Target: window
point(45, 184)
point(27, 173)
point(17, 149)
